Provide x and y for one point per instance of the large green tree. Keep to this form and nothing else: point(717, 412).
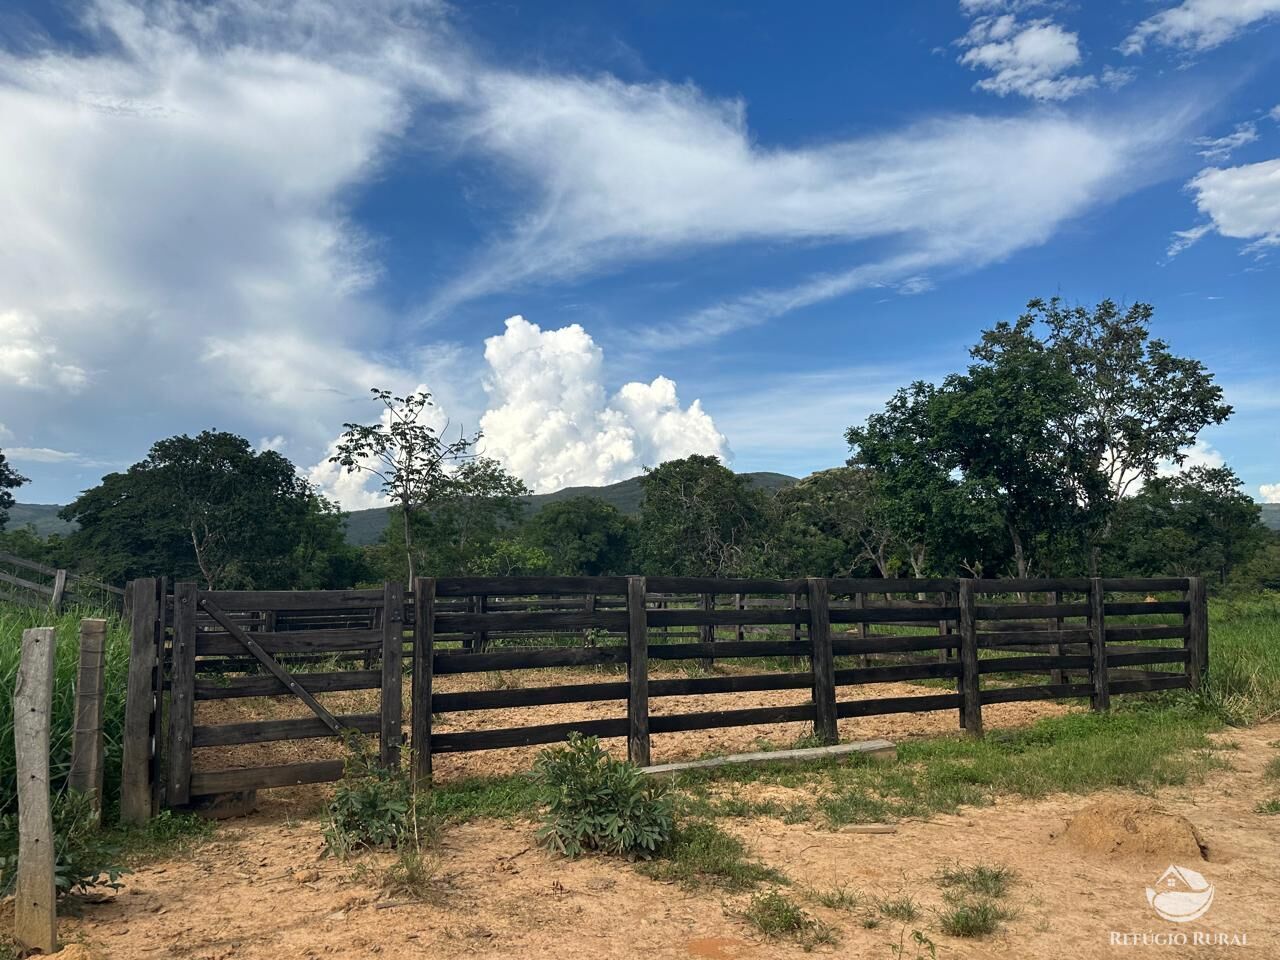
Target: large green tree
point(1197, 523)
point(10, 479)
point(209, 507)
point(833, 523)
point(699, 518)
point(583, 536)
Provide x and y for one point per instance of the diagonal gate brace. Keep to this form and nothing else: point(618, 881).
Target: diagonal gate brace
point(274, 667)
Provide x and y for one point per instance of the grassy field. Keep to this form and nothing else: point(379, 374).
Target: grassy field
point(15, 619)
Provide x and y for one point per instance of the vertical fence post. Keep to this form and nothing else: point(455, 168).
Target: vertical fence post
point(59, 590)
point(970, 686)
point(1098, 625)
point(158, 728)
point(824, 667)
point(739, 604)
point(637, 673)
point(86, 773)
point(182, 689)
point(140, 702)
point(707, 632)
point(860, 603)
point(1058, 675)
point(794, 605)
point(424, 631)
point(35, 910)
point(392, 710)
point(1197, 641)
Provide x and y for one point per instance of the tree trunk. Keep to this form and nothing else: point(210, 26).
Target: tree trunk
point(408, 540)
point(1019, 554)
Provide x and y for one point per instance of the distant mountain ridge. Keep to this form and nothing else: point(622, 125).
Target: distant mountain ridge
point(365, 526)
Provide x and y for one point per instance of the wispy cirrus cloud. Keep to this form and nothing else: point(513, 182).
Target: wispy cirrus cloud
point(1199, 25)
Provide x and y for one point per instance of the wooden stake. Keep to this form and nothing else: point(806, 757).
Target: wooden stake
point(637, 673)
point(59, 590)
point(135, 786)
point(424, 613)
point(86, 771)
point(1098, 624)
point(824, 668)
point(35, 910)
point(970, 688)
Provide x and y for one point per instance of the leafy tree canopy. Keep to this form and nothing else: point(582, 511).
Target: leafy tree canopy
point(211, 508)
point(583, 536)
point(10, 479)
point(699, 518)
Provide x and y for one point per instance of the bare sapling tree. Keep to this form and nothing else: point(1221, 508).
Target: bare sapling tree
point(410, 458)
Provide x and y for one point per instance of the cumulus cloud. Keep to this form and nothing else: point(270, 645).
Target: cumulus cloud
point(41, 455)
point(552, 423)
point(1030, 58)
point(1270, 492)
point(31, 360)
point(1199, 24)
point(1241, 202)
point(1221, 148)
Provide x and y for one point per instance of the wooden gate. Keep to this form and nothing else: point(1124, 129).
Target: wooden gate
point(230, 645)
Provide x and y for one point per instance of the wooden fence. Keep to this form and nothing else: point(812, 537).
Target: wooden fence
point(976, 642)
point(33, 584)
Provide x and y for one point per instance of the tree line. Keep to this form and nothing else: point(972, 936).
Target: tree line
point(1059, 450)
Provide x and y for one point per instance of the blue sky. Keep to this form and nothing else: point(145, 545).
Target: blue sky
point(732, 229)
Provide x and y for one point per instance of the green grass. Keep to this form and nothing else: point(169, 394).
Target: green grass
point(973, 918)
point(1141, 746)
point(13, 620)
point(1244, 658)
point(775, 915)
point(1268, 808)
point(700, 854)
point(978, 880)
point(902, 908)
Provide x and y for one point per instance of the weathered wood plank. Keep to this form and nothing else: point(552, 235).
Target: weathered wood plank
point(337, 640)
point(1196, 620)
point(235, 688)
point(140, 701)
point(1053, 691)
point(1171, 631)
point(726, 618)
point(823, 659)
point(528, 659)
point(637, 674)
point(716, 719)
point(1030, 611)
point(529, 586)
point(205, 783)
point(392, 707)
point(568, 620)
point(268, 731)
point(34, 902)
point(702, 585)
point(59, 591)
point(880, 614)
point(424, 600)
point(970, 687)
point(897, 673)
point(1098, 623)
point(884, 705)
point(1173, 681)
point(1143, 584)
point(182, 674)
point(1035, 664)
point(230, 601)
point(841, 586)
point(526, 736)
point(722, 649)
point(16, 581)
point(87, 747)
point(1033, 585)
point(1007, 638)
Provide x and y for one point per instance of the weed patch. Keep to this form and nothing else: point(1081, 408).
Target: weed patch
point(776, 916)
point(700, 854)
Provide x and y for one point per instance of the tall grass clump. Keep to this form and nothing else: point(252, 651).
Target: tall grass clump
point(1244, 657)
point(13, 620)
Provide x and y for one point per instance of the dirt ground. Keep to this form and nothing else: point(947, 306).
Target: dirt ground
point(260, 891)
point(666, 748)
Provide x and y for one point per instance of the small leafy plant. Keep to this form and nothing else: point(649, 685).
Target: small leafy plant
point(373, 806)
point(594, 802)
point(774, 915)
point(84, 856)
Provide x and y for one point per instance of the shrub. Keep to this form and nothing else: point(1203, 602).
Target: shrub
point(594, 802)
point(774, 915)
point(84, 856)
point(973, 918)
point(373, 806)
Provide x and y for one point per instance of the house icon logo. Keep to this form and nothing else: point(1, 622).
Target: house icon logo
point(1180, 895)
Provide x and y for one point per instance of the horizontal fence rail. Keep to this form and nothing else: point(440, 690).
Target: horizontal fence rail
point(964, 643)
point(30, 584)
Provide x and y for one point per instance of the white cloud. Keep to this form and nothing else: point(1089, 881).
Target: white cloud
point(552, 424)
point(1113, 78)
point(1220, 148)
point(41, 455)
point(276, 443)
point(1270, 492)
point(1241, 202)
point(29, 359)
point(1274, 113)
point(1025, 58)
point(1199, 454)
point(1199, 24)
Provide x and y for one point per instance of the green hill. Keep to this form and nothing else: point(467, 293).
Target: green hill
point(365, 526)
point(1271, 515)
point(42, 516)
